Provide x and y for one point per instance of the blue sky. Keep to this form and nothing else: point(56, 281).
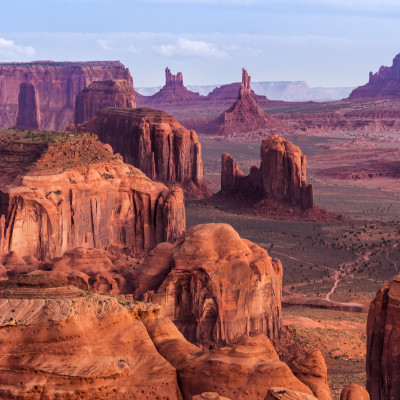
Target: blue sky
point(324, 42)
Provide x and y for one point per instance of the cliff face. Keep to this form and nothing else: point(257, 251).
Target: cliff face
point(214, 285)
point(383, 84)
point(154, 142)
point(102, 94)
point(28, 107)
point(383, 338)
point(281, 175)
point(57, 85)
point(61, 190)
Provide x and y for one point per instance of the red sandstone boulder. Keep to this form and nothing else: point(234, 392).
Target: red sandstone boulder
point(214, 285)
point(209, 396)
point(59, 191)
point(354, 392)
point(154, 142)
point(102, 94)
point(57, 84)
point(383, 338)
point(279, 393)
point(28, 107)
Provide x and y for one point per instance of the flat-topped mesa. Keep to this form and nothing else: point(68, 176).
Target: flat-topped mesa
point(214, 285)
point(61, 190)
point(154, 142)
point(28, 107)
point(173, 80)
point(101, 94)
point(281, 175)
point(383, 338)
point(383, 84)
point(57, 84)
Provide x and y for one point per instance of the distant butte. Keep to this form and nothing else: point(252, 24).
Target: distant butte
point(28, 107)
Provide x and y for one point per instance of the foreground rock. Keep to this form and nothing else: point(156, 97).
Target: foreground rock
point(278, 393)
point(61, 190)
point(354, 392)
point(102, 94)
point(209, 396)
point(57, 84)
point(154, 142)
point(281, 175)
point(214, 285)
point(28, 107)
point(383, 336)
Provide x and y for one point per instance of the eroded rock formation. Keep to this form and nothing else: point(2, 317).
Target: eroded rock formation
point(102, 94)
point(279, 393)
point(62, 190)
point(281, 175)
point(354, 392)
point(245, 116)
point(28, 107)
point(383, 84)
point(57, 84)
point(214, 285)
point(154, 142)
point(383, 338)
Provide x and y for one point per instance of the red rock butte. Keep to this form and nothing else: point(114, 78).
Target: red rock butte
point(101, 94)
point(281, 175)
point(57, 84)
point(154, 142)
point(61, 190)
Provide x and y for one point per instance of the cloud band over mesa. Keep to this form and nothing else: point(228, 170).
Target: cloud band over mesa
point(10, 51)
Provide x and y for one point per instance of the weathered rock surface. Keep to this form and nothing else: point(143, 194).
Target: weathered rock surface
point(154, 142)
point(383, 338)
point(61, 190)
point(209, 396)
point(244, 116)
point(102, 94)
point(60, 342)
point(28, 107)
point(214, 285)
point(279, 393)
point(57, 84)
point(281, 175)
point(310, 368)
point(354, 392)
point(383, 84)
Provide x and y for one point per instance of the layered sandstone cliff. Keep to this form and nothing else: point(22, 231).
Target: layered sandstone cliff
point(214, 285)
point(154, 142)
point(57, 84)
point(28, 107)
point(101, 94)
point(281, 175)
point(60, 190)
point(383, 338)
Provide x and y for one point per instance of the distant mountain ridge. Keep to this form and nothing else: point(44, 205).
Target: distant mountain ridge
point(280, 90)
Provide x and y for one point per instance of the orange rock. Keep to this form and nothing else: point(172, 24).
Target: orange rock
point(28, 107)
point(209, 396)
point(354, 392)
point(278, 393)
point(61, 190)
point(214, 285)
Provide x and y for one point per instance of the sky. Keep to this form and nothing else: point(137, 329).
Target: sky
point(329, 43)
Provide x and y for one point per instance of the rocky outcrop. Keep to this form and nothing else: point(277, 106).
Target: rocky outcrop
point(57, 84)
point(245, 116)
point(214, 285)
point(154, 142)
point(62, 190)
point(354, 392)
point(209, 396)
point(310, 368)
point(383, 337)
point(28, 107)
point(281, 175)
point(279, 393)
point(383, 84)
point(102, 94)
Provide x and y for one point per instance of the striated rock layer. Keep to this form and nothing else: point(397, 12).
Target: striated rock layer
point(214, 285)
point(102, 94)
point(57, 84)
point(154, 142)
point(61, 190)
point(281, 175)
point(28, 107)
point(383, 338)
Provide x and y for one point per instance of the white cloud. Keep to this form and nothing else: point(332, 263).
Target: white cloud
point(190, 48)
point(10, 51)
point(104, 44)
